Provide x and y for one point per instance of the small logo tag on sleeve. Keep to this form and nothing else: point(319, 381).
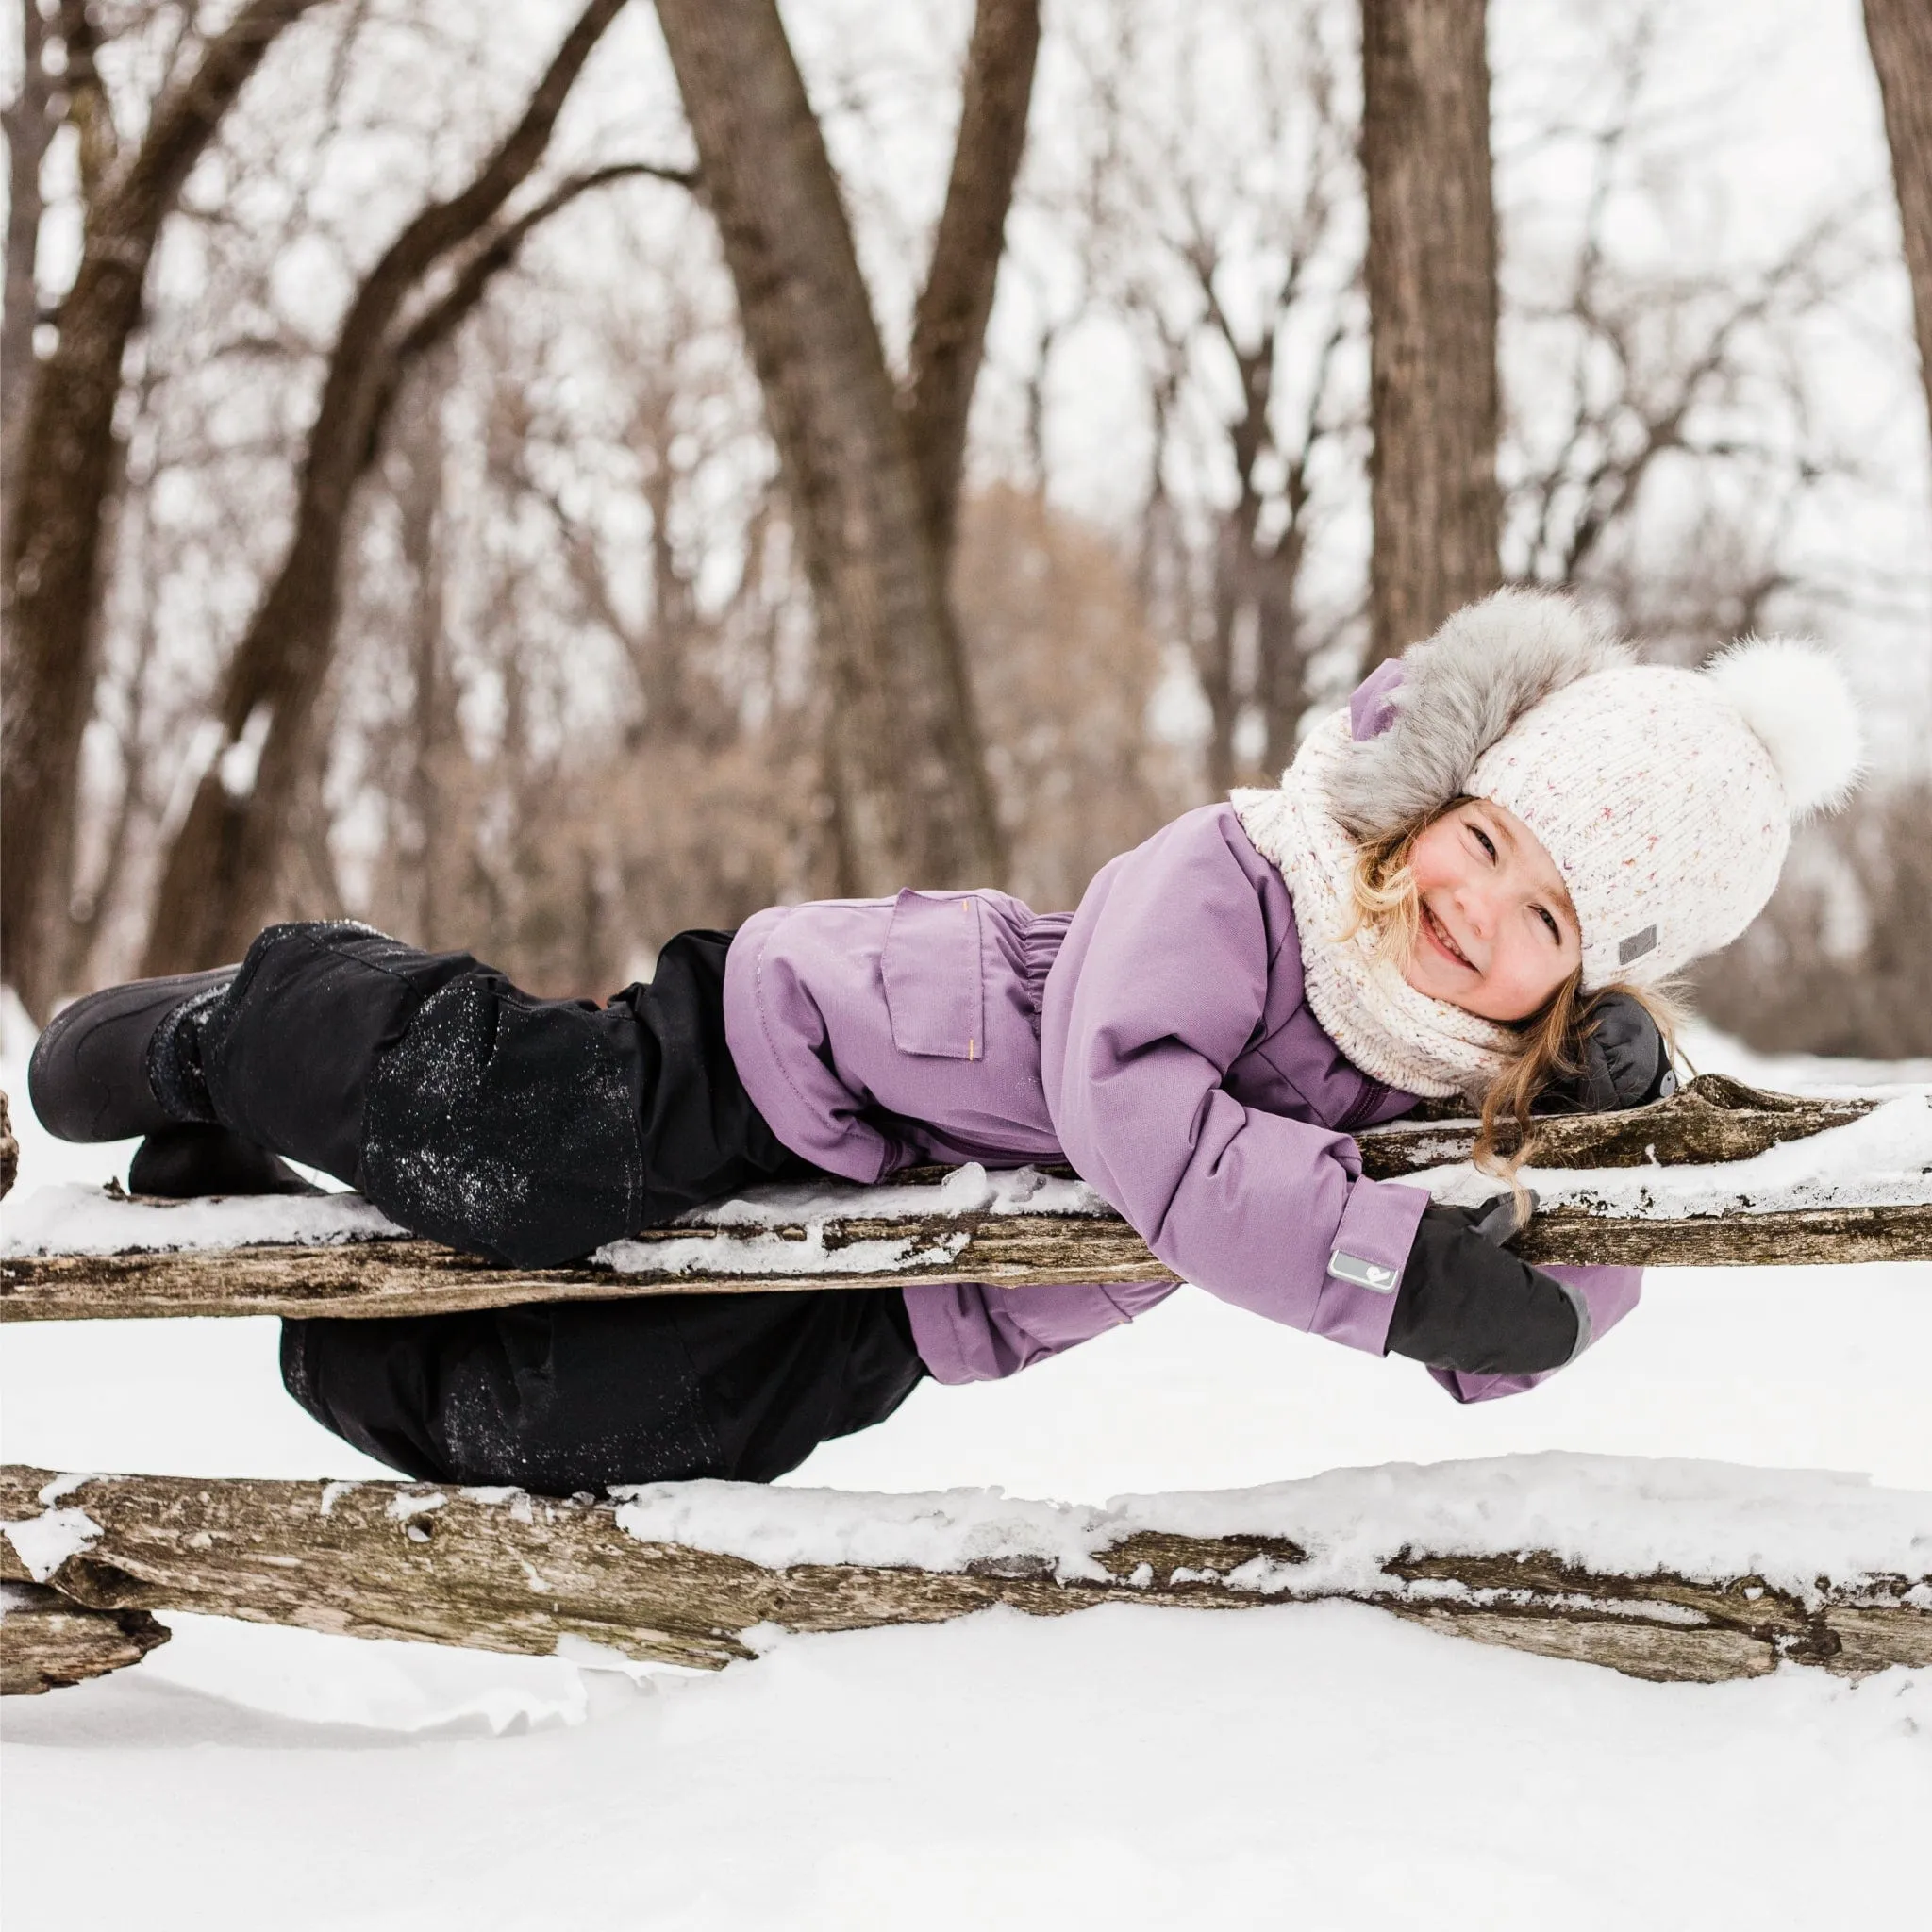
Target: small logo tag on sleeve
point(1369, 1275)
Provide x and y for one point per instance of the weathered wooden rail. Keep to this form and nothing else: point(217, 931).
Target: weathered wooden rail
point(1712, 1120)
point(409, 1278)
point(504, 1570)
point(500, 1570)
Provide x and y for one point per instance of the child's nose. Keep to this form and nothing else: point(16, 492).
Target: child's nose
point(1478, 907)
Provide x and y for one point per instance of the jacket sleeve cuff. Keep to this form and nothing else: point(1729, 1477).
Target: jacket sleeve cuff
point(1356, 1300)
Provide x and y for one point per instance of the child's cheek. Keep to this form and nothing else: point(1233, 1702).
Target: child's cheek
point(1426, 863)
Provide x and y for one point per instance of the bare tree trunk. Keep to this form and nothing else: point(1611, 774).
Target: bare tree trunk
point(420, 503)
point(1214, 656)
point(66, 463)
point(949, 326)
point(1432, 315)
point(1900, 36)
point(222, 869)
point(1281, 670)
point(658, 655)
point(1254, 576)
point(29, 124)
point(914, 799)
point(1279, 641)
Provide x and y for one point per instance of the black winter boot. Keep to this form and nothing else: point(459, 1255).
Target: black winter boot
point(106, 1068)
point(182, 1163)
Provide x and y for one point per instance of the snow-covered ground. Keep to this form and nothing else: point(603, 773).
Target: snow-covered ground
point(1321, 1767)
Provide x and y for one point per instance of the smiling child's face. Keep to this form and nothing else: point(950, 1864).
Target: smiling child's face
point(1496, 933)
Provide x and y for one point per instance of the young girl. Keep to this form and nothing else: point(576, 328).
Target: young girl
point(1456, 890)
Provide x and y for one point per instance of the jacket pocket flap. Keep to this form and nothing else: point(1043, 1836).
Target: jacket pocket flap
point(935, 983)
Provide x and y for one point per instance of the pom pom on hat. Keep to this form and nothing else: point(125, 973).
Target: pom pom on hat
point(1797, 703)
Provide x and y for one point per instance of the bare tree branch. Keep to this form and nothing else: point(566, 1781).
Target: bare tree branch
point(482, 264)
point(66, 465)
point(221, 869)
point(89, 111)
point(1617, 431)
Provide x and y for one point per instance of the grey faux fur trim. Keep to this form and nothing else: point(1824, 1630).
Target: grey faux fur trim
point(1459, 692)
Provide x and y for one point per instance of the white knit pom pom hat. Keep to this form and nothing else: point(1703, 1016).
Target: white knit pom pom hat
point(1666, 798)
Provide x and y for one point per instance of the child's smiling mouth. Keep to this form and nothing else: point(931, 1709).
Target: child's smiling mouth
point(1439, 933)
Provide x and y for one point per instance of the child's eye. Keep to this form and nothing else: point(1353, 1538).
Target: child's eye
point(1484, 839)
point(1548, 918)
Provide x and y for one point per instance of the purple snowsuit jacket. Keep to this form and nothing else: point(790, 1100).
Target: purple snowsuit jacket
point(1158, 1040)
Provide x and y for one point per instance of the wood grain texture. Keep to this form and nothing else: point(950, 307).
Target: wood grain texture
point(411, 1277)
point(1795, 1238)
point(503, 1571)
point(48, 1641)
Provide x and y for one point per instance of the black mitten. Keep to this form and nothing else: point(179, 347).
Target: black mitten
point(1625, 1064)
point(1467, 1303)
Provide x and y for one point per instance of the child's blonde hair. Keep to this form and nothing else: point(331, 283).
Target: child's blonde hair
point(1551, 1038)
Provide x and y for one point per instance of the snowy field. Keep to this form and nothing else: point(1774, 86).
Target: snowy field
point(1321, 1767)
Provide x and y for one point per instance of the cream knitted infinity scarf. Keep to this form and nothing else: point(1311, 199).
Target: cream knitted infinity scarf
point(1391, 1031)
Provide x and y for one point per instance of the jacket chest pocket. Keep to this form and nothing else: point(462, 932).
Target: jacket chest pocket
point(934, 975)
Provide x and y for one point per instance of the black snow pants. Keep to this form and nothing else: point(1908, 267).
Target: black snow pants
point(532, 1131)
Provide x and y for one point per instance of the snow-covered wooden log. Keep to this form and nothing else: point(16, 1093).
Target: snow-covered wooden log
point(1663, 1569)
point(1719, 1175)
point(404, 1278)
point(1710, 1177)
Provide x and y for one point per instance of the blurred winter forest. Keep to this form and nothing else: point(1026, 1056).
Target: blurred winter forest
point(489, 541)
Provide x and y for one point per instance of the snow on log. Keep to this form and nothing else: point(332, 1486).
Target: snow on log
point(1677, 1571)
point(1718, 1175)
